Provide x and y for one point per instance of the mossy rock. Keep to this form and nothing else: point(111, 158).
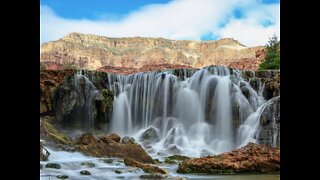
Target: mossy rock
point(53, 166)
point(62, 177)
point(178, 157)
point(52, 132)
point(85, 172)
point(107, 96)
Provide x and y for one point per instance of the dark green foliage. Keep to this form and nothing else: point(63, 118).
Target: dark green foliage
point(107, 98)
point(42, 68)
point(272, 58)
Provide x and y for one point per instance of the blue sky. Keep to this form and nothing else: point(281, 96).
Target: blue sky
point(173, 19)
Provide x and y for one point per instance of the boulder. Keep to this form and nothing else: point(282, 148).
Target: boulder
point(85, 172)
point(145, 167)
point(151, 135)
point(128, 140)
point(53, 165)
point(114, 137)
point(252, 158)
point(118, 171)
point(105, 146)
point(62, 177)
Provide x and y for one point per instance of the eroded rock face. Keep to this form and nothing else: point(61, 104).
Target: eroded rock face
point(49, 81)
point(251, 158)
point(105, 146)
point(93, 52)
point(83, 102)
point(269, 80)
point(269, 133)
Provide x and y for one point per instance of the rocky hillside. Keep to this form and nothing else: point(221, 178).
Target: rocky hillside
point(92, 52)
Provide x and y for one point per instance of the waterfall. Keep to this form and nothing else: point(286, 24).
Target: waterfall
point(209, 111)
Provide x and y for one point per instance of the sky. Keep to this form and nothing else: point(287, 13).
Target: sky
point(251, 22)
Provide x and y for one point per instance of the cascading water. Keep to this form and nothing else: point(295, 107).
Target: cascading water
point(195, 113)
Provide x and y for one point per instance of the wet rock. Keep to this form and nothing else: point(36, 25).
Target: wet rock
point(43, 156)
point(105, 146)
point(151, 135)
point(173, 149)
point(62, 177)
point(205, 153)
point(128, 140)
point(41, 166)
point(245, 91)
point(145, 167)
point(269, 132)
point(272, 89)
point(114, 137)
point(252, 158)
point(108, 161)
point(53, 165)
point(175, 159)
point(51, 134)
point(88, 164)
point(72, 98)
point(87, 139)
point(153, 176)
point(85, 172)
point(118, 172)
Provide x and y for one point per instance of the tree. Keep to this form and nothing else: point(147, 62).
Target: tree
point(272, 57)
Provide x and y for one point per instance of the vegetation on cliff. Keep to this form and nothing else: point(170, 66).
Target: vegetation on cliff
point(272, 57)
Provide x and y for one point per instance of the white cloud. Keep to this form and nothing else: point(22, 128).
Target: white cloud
point(178, 19)
point(250, 31)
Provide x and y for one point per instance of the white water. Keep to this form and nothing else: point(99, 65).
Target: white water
point(194, 115)
point(72, 163)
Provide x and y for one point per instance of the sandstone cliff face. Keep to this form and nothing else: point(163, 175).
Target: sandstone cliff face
point(94, 52)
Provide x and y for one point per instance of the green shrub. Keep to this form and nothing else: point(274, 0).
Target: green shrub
point(272, 57)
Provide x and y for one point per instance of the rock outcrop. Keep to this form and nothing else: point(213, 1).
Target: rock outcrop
point(252, 158)
point(92, 52)
point(145, 167)
point(269, 132)
point(49, 81)
point(105, 146)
